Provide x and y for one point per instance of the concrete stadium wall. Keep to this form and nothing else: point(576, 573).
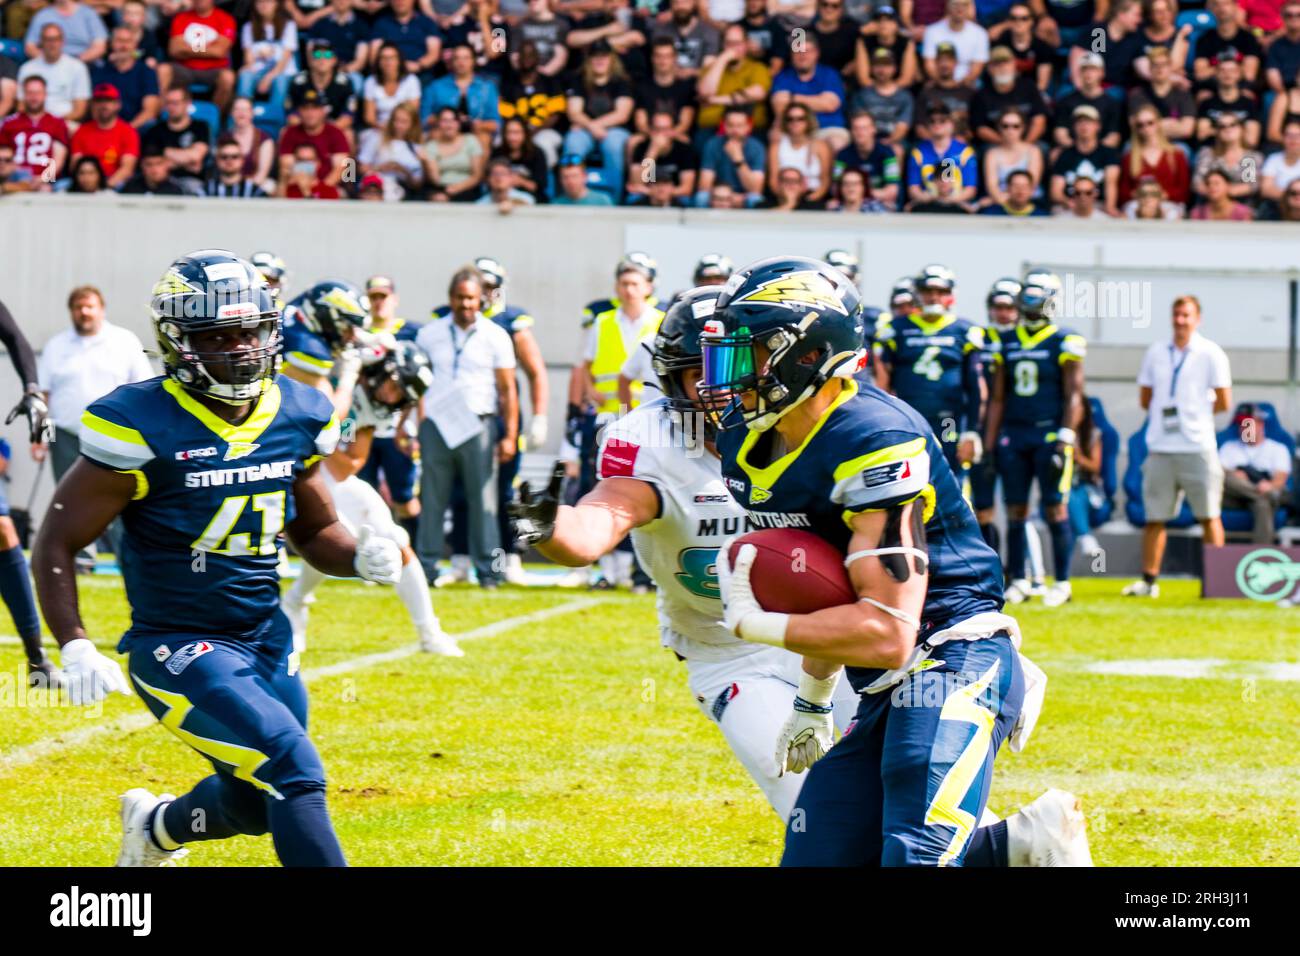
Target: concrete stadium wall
point(559, 259)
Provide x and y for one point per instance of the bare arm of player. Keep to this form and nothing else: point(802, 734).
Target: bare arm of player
point(529, 356)
point(85, 503)
point(1072, 387)
point(350, 458)
point(997, 402)
point(865, 634)
point(598, 522)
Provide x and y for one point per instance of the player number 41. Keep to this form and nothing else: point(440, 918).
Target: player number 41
point(217, 537)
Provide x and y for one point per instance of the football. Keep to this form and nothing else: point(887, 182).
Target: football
point(795, 572)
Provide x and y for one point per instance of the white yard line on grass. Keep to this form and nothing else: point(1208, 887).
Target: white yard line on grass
point(128, 723)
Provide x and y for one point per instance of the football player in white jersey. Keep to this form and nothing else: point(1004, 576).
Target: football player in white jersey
point(661, 480)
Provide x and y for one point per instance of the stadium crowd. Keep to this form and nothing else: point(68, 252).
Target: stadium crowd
point(1145, 109)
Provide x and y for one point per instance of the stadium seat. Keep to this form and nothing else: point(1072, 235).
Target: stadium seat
point(1099, 515)
point(13, 49)
point(207, 113)
point(1239, 519)
point(1133, 509)
point(1200, 21)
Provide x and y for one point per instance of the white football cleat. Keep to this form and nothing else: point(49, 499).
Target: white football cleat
point(434, 640)
point(1051, 831)
point(138, 849)
point(1057, 594)
point(1017, 592)
point(577, 578)
point(515, 573)
point(459, 573)
point(1140, 588)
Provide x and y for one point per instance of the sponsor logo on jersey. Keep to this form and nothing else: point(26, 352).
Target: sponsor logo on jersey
point(735, 484)
point(758, 495)
point(161, 653)
point(619, 459)
point(239, 476)
point(240, 449)
point(723, 699)
point(798, 291)
point(186, 656)
point(192, 453)
point(751, 521)
point(887, 473)
point(713, 499)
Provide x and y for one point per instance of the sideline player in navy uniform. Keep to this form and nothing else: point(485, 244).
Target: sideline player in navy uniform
point(1002, 308)
point(1036, 406)
point(931, 360)
point(926, 644)
point(207, 465)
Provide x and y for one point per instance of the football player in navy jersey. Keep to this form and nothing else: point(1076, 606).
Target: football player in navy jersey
point(926, 645)
point(1035, 408)
point(931, 360)
point(1002, 307)
point(208, 465)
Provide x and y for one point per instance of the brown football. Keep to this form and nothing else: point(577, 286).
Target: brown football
point(795, 572)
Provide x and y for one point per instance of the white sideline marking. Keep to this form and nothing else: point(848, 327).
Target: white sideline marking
point(1192, 668)
point(138, 721)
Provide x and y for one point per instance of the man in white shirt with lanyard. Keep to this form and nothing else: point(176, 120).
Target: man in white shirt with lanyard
point(473, 362)
point(1182, 384)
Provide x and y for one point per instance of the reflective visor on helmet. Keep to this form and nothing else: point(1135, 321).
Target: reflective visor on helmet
point(730, 370)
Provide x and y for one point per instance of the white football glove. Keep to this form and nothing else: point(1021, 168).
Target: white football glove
point(741, 613)
point(537, 432)
point(809, 731)
point(90, 676)
point(378, 559)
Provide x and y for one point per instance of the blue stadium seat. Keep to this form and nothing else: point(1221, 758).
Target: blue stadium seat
point(1133, 510)
point(1098, 516)
point(13, 49)
point(1239, 519)
point(207, 113)
point(1200, 20)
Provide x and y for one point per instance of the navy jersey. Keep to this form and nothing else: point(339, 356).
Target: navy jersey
point(870, 452)
point(934, 367)
point(303, 348)
point(1034, 395)
point(200, 542)
point(404, 330)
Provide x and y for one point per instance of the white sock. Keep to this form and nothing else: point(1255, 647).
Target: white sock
point(158, 830)
point(608, 567)
point(1018, 840)
point(307, 582)
point(623, 561)
point(413, 589)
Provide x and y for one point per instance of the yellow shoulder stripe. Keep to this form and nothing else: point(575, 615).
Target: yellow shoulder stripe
point(112, 429)
point(882, 456)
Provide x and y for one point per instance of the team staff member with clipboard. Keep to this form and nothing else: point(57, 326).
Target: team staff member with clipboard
point(460, 434)
point(1182, 384)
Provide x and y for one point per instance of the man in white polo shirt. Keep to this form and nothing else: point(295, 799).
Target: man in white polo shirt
point(473, 381)
point(1181, 385)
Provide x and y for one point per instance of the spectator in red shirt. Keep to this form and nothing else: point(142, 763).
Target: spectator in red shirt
point(328, 142)
point(108, 138)
point(39, 139)
point(199, 47)
point(1150, 153)
point(301, 179)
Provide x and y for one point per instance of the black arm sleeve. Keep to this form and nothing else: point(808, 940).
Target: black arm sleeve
point(20, 350)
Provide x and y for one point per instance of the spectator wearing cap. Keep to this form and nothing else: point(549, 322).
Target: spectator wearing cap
point(1229, 96)
point(1256, 469)
point(1282, 168)
point(574, 191)
point(876, 161)
point(883, 32)
point(600, 105)
point(474, 98)
point(198, 51)
point(942, 158)
point(1226, 40)
point(1087, 159)
point(969, 41)
point(136, 82)
point(327, 141)
point(416, 36)
point(697, 42)
point(269, 44)
point(1090, 92)
point(535, 98)
point(734, 159)
point(300, 176)
point(796, 146)
point(661, 163)
point(837, 35)
point(887, 102)
point(1229, 153)
point(155, 175)
point(107, 137)
point(1017, 198)
point(371, 189)
point(454, 160)
point(393, 153)
point(1121, 35)
point(331, 86)
point(34, 120)
point(67, 80)
point(1004, 88)
point(184, 139)
point(1034, 57)
point(767, 41)
point(547, 31)
point(388, 86)
point(84, 36)
point(733, 79)
point(344, 33)
point(809, 83)
point(501, 191)
point(944, 90)
point(1218, 202)
point(1173, 101)
point(228, 180)
point(1149, 153)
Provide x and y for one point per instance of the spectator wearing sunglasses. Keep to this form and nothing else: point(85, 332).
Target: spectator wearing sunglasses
point(228, 180)
point(1289, 207)
point(1149, 153)
point(797, 147)
point(1149, 202)
point(1228, 153)
point(330, 86)
point(1090, 92)
point(1087, 159)
point(1034, 59)
point(1219, 205)
point(1282, 168)
point(1229, 94)
point(1081, 201)
point(1160, 31)
point(1009, 155)
point(1163, 91)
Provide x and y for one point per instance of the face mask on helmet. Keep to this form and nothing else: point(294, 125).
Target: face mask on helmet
point(230, 361)
point(677, 362)
point(409, 371)
point(335, 311)
point(935, 301)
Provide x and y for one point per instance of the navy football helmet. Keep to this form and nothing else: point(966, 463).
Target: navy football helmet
point(1040, 299)
point(782, 328)
point(208, 290)
point(407, 365)
point(334, 310)
point(494, 277)
point(641, 262)
point(1006, 293)
point(902, 297)
point(845, 261)
point(677, 344)
point(271, 267)
point(713, 269)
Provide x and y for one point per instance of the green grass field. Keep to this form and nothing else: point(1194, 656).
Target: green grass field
point(571, 740)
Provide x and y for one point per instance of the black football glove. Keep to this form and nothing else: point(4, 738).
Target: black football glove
point(38, 417)
point(535, 514)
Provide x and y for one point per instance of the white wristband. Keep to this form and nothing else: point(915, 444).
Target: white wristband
point(1066, 436)
point(818, 690)
point(765, 627)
